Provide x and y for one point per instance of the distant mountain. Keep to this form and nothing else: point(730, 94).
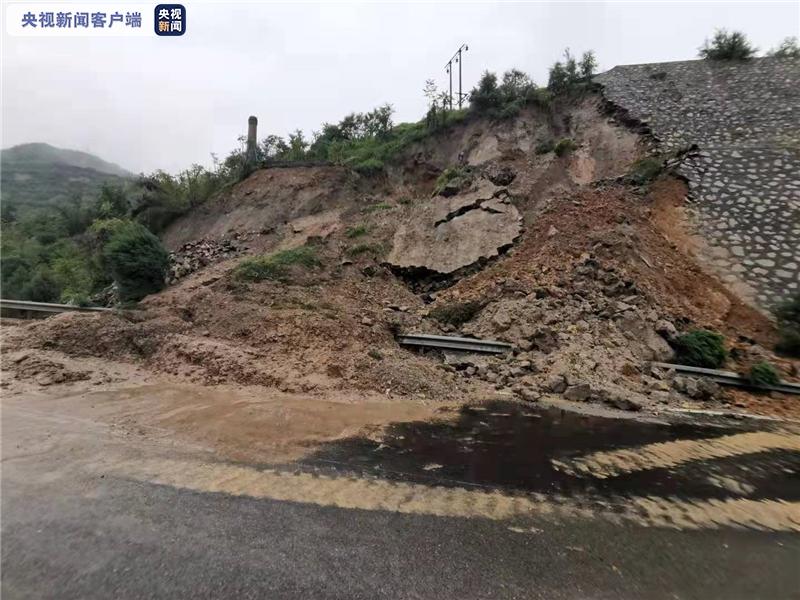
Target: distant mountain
point(37, 175)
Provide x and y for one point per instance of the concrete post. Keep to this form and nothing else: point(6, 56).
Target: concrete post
point(252, 126)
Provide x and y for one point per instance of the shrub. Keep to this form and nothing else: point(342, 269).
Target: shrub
point(376, 207)
point(369, 167)
point(564, 146)
point(545, 147)
point(457, 313)
point(360, 249)
point(374, 354)
point(357, 231)
point(42, 287)
point(486, 97)
point(564, 77)
point(701, 348)
point(645, 170)
point(763, 373)
point(451, 177)
point(788, 48)
point(727, 46)
point(136, 261)
point(506, 99)
point(276, 266)
point(788, 315)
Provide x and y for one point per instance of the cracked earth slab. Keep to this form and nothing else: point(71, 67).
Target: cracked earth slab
point(444, 235)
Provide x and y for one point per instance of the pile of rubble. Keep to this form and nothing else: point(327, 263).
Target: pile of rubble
point(195, 255)
point(588, 341)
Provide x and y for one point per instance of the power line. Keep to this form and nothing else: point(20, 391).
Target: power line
point(457, 58)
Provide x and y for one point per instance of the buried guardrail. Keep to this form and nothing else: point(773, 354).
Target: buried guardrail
point(47, 307)
point(446, 342)
point(729, 378)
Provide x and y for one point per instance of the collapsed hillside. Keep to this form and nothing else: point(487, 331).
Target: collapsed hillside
point(588, 275)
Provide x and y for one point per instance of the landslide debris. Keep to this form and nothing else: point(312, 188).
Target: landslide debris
point(588, 276)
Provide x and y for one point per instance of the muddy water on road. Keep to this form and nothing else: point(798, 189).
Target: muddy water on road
point(523, 449)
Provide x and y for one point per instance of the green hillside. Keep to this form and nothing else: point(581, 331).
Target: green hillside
point(37, 175)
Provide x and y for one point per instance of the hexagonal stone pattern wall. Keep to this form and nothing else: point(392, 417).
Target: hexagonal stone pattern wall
point(744, 177)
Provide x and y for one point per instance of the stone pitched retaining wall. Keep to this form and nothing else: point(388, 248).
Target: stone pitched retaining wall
point(744, 179)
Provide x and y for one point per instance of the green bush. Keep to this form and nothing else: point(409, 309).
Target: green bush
point(357, 231)
point(645, 170)
point(727, 46)
point(788, 315)
point(545, 147)
point(276, 266)
point(564, 146)
point(456, 313)
point(788, 48)
point(376, 207)
point(459, 176)
point(701, 348)
point(506, 99)
point(136, 260)
point(369, 167)
point(360, 249)
point(571, 75)
point(42, 287)
point(764, 373)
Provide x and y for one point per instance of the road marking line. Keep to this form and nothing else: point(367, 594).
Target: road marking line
point(671, 454)
point(408, 498)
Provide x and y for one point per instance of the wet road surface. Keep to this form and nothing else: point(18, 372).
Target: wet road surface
point(499, 501)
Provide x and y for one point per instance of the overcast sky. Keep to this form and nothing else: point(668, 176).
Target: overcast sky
point(148, 103)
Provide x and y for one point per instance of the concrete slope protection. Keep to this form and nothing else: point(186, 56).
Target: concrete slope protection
point(743, 118)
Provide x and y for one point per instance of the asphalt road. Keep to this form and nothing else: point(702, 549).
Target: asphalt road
point(74, 525)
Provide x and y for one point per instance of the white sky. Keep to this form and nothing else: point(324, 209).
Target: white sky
point(149, 102)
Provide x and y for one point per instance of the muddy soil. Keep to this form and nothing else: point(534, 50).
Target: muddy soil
point(600, 280)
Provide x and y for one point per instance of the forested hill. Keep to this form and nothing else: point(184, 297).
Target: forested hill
point(37, 175)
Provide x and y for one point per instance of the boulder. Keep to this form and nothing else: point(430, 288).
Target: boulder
point(578, 393)
point(624, 400)
point(556, 384)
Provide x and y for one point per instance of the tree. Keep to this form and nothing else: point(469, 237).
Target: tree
point(41, 287)
point(516, 85)
point(788, 48)
point(566, 75)
point(274, 146)
point(137, 261)
point(113, 202)
point(297, 145)
point(588, 64)
point(558, 80)
point(726, 45)
point(486, 97)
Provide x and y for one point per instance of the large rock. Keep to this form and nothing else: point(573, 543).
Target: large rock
point(444, 235)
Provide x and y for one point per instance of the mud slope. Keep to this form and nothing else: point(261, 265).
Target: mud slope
point(588, 276)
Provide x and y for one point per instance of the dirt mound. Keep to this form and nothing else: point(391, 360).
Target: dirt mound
point(43, 370)
point(330, 328)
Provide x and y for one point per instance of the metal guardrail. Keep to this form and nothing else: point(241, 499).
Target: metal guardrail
point(729, 378)
point(446, 342)
point(47, 307)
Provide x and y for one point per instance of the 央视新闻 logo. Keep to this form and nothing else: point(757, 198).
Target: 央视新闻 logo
point(170, 19)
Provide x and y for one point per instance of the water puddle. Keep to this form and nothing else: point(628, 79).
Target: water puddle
point(520, 448)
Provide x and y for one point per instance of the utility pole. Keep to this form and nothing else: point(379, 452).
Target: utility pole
point(457, 57)
point(449, 69)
